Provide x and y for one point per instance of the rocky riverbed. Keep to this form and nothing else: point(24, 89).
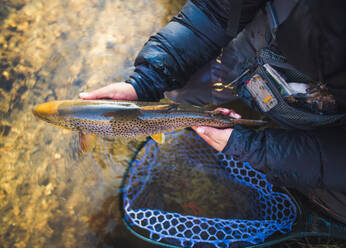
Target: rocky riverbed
point(52, 195)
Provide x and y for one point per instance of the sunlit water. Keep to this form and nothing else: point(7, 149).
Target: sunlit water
point(51, 194)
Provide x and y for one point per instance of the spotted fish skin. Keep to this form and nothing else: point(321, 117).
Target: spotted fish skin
point(110, 118)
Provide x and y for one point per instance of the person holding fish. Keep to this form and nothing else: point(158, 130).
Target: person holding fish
point(285, 59)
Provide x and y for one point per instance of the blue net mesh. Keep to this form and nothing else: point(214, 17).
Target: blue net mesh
point(152, 205)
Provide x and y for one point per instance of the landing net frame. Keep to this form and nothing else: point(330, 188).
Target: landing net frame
point(277, 210)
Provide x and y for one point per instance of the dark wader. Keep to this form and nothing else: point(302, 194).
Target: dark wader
point(245, 51)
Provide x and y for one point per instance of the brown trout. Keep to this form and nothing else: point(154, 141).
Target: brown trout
point(110, 118)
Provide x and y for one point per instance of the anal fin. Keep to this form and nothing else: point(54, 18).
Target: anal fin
point(159, 138)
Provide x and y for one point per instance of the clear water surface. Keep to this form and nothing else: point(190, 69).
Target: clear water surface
point(51, 194)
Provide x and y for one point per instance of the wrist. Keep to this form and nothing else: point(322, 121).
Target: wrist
point(235, 144)
point(127, 92)
point(147, 83)
point(133, 83)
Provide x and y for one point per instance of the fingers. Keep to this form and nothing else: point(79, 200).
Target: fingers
point(229, 112)
point(216, 138)
point(223, 111)
point(119, 91)
point(234, 115)
point(104, 92)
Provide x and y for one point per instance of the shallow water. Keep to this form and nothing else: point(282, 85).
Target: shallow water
point(51, 194)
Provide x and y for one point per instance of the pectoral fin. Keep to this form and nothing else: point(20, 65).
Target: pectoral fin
point(86, 142)
point(159, 138)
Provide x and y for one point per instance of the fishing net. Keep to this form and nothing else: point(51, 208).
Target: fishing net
point(183, 193)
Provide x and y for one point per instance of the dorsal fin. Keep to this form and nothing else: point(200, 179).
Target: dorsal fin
point(159, 107)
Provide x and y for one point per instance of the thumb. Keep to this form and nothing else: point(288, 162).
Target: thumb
point(217, 138)
point(211, 133)
point(207, 131)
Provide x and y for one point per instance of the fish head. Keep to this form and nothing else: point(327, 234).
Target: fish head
point(81, 115)
point(53, 112)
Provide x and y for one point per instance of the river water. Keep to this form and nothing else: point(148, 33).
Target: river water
point(51, 194)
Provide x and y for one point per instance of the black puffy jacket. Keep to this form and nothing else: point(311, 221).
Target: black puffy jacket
point(190, 40)
point(300, 159)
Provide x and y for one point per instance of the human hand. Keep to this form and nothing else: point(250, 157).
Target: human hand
point(217, 138)
point(118, 91)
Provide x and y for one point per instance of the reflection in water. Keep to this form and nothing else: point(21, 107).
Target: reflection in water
point(107, 225)
point(51, 194)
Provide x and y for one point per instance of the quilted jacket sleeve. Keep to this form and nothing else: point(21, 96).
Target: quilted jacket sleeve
point(299, 159)
point(188, 41)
